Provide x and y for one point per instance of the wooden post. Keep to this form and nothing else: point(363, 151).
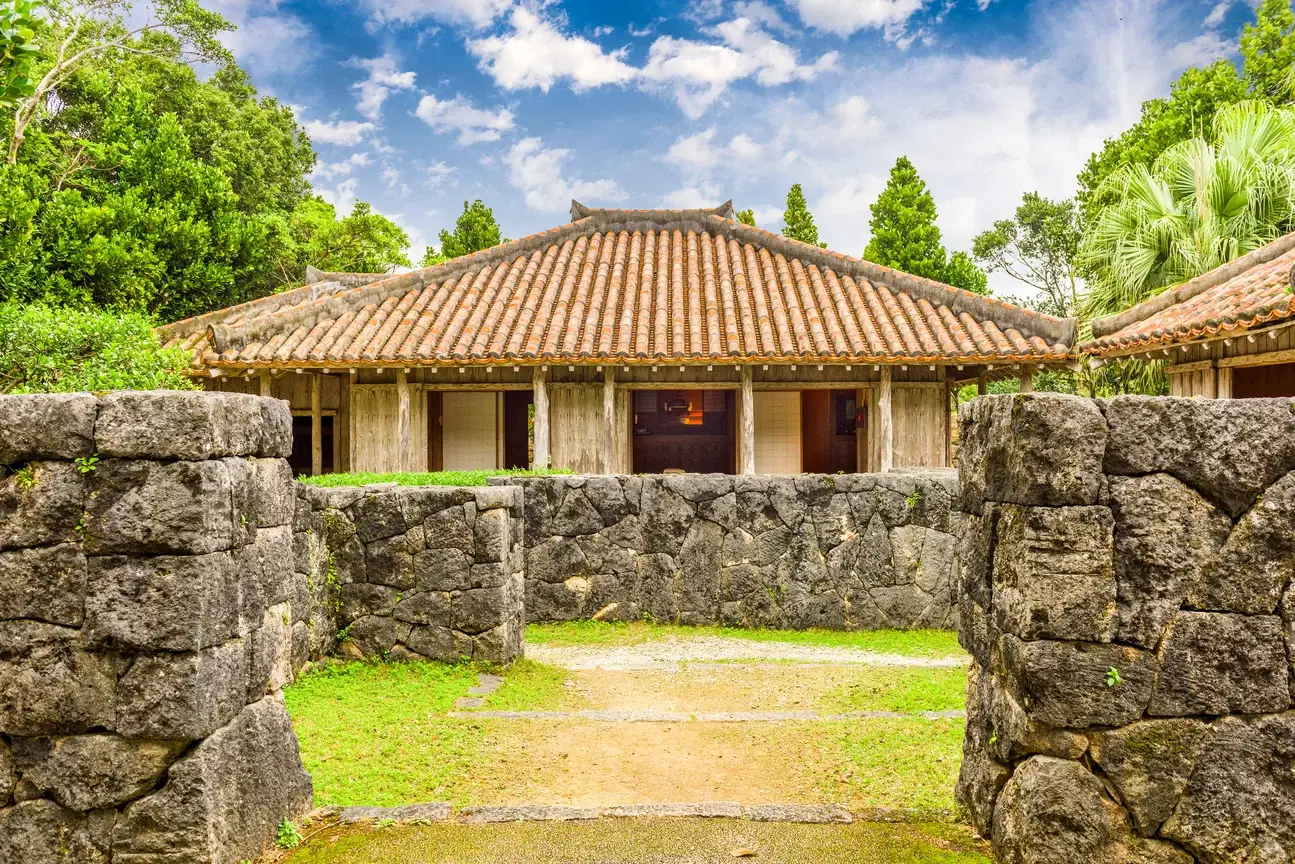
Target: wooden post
point(860, 435)
point(342, 425)
point(885, 421)
point(948, 425)
point(748, 421)
point(316, 425)
point(982, 383)
point(1027, 380)
point(1223, 386)
point(609, 419)
point(405, 440)
point(541, 394)
point(264, 380)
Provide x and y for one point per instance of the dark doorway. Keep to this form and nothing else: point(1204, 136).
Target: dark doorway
point(683, 430)
point(827, 428)
point(519, 435)
point(1263, 382)
point(300, 460)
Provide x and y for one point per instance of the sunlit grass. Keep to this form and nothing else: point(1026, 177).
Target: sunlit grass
point(904, 690)
point(432, 478)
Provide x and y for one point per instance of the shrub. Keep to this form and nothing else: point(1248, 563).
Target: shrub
point(44, 349)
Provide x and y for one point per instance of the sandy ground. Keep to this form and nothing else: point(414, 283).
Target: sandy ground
point(672, 653)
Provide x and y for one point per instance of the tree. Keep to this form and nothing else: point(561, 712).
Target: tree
point(904, 233)
point(1268, 52)
point(1199, 206)
point(747, 217)
point(45, 349)
point(797, 221)
point(962, 272)
point(1036, 247)
point(17, 51)
point(82, 30)
point(475, 229)
point(363, 242)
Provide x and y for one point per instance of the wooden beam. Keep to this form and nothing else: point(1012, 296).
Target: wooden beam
point(1271, 358)
point(609, 419)
point(404, 433)
point(747, 443)
point(1027, 380)
point(982, 383)
point(1198, 366)
point(264, 380)
point(316, 425)
point(540, 389)
point(885, 421)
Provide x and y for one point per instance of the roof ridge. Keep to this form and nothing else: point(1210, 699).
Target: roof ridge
point(1184, 291)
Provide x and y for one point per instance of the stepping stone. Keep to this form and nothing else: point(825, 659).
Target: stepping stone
point(469, 702)
point(486, 685)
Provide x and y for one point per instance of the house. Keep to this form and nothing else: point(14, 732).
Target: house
point(641, 341)
point(1225, 334)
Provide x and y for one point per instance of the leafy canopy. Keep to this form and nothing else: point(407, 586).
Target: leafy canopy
point(905, 236)
point(797, 221)
point(18, 50)
point(475, 229)
point(747, 217)
point(1036, 247)
point(43, 349)
point(363, 242)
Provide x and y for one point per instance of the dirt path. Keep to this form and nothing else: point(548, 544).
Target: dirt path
point(673, 653)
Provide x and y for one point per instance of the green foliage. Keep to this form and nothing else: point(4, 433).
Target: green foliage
point(904, 690)
point(431, 478)
point(47, 350)
point(747, 217)
point(1267, 50)
point(17, 51)
point(363, 242)
point(797, 221)
point(1202, 204)
point(1113, 678)
point(288, 836)
point(1036, 247)
point(475, 229)
point(87, 464)
point(904, 233)
point(962, 272)
point(25, 477)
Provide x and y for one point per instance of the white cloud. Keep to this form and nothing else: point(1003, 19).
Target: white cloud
point(391, 176)
point(472, 124)
point(537, 54)
point(693, 197)
point(384, 79)
point(343, 133)
point(745, 148)
point(845, 17)
point(439, 174)
point(605, 30)
point(477, 13)
point(764, 14)
point(333, 170)
point(342, 197)
point(262, 34)
point(538, 172)
point(697, 153)
point(1215, 18)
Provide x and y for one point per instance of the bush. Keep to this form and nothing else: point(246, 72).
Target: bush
point(44, 349)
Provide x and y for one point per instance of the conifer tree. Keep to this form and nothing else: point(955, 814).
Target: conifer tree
point(797, 221)
point(904, 233)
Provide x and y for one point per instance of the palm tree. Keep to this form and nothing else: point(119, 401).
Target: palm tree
point(1199, 206)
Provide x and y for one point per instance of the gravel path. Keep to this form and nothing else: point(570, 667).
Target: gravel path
point(672, 652)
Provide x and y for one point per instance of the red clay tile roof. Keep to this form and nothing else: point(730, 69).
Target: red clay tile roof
point(633, 286)
point(1245, 293)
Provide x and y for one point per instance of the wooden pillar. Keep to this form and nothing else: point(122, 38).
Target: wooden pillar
point(342, 425)
point(860, 432)
point(1223, 388)
point(948, 424)
point(316, 425)
point(541, 394)
point(264, 380)
point(748, 421)
point(982, 383)
point(403, 423)
point(886, 423)
point(1027, 380)
point(609, 419)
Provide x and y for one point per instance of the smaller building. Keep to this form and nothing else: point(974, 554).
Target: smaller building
point(1226, 334)
point(626, 341)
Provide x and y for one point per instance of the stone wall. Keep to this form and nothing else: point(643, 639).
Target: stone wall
point(409, 572)
point(852, 551)
point(145, 562)
point(1127, 598)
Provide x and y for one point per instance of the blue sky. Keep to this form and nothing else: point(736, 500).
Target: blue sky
point(417, 105)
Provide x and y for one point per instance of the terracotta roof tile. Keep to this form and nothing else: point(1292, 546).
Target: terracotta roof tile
point(1251, 291)
point(633, 286)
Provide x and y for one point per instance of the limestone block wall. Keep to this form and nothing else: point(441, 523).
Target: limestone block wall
point(852, 551)
point(407, 572)
point(1127, 596)
point(145, 562)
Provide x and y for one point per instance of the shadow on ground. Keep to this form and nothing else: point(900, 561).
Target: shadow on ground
point(645, 841)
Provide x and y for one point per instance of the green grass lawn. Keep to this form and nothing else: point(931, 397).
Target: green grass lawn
point(909, 643)
point(433, 478)
point(531, 686)
point(907, 764)
point(906, 690)
point(646, 841)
